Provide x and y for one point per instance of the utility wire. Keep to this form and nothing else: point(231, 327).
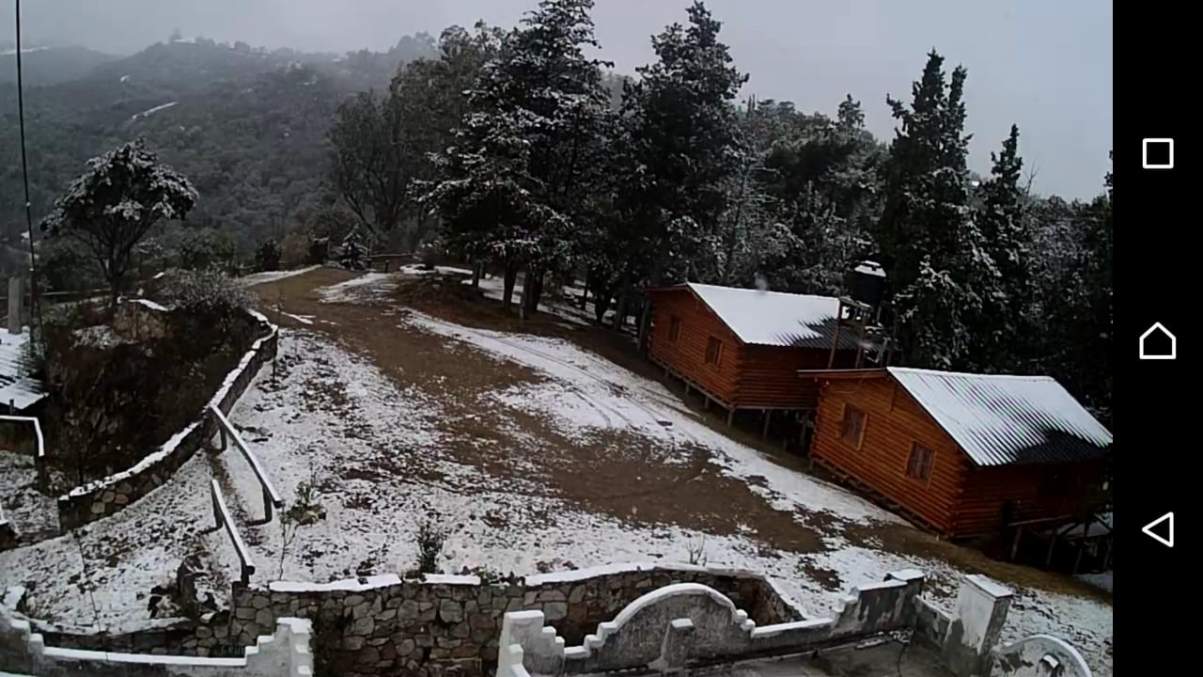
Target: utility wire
point(35, 308)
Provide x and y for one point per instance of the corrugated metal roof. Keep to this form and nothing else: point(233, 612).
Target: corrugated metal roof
point(15, 386)
point(773, 318)
point(999, 419)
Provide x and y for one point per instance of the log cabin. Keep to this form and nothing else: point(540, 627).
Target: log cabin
point(964, 454)
point(742, 348)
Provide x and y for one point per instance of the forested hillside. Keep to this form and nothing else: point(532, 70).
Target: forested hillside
point(246, 125)
point(45, 65)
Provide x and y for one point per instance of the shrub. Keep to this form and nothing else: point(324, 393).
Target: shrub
point(431, 538)
point(206, 249)
point(319, 250)
point(353, 255)
point(267, 256)
point(200, 291)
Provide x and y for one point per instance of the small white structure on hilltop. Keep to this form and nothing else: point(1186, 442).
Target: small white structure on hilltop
point(18, 391)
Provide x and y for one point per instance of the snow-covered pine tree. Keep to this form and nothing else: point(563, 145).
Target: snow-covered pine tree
point(932, 248)
point(1007, 236)
point(112, 206)
point(681, 149)
point(528, 147)
point(353, 253)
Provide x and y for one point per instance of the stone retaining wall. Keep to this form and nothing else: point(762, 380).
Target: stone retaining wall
point(111, 494)
point(441, 626)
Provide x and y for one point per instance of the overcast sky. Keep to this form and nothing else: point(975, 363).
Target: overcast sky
point(1043, 65)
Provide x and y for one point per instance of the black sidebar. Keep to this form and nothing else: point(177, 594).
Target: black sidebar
point(1157, 275)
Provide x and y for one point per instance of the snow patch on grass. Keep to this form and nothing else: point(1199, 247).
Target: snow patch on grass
point(366, 287)
point(272, 276)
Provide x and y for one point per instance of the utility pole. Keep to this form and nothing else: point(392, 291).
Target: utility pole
point(35, 307)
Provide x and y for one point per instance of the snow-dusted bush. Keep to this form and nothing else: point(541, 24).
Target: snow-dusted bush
point(267, 256)
point(431, 537)
point(204, 291)
point(353, 254)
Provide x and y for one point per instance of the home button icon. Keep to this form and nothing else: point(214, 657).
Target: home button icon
point(1158, 343)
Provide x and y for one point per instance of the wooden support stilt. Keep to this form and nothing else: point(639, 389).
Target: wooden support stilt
point(768, 413)
point(730, 416)
point(1015, 543)
point(1048, 560)
point(706, 404)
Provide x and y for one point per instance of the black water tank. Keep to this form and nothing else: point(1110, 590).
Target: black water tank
point(867, 283)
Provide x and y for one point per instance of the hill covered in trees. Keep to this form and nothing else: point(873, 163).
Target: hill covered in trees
point(248, 126)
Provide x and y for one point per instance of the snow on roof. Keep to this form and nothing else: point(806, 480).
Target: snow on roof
point(870, 268)
point(1001, 419)
point(15, 386)
point(774, 318)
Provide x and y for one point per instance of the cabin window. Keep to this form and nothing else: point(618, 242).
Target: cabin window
point(674, 329)
point(852, 428)
point(714, 351)
point(918, 466)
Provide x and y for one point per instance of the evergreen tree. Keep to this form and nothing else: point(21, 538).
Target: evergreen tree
point(932, 249)
point(353, 253)
point(1006, 232)
point(528, 148)
point(680, 146)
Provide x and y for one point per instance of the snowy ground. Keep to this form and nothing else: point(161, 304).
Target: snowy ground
point(272, 276)
point(384, 453)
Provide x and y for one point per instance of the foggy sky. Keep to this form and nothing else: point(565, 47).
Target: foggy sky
point(1043, 65)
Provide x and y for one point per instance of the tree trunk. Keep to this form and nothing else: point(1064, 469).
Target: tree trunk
point(620, 312)
point(476, 266)
point(114, 293)
point(645, 321)
point(584, 300)
point(511, 276)
point(536, 283)
point(531, 285)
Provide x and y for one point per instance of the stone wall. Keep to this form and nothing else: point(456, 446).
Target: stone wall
point(689, 624)
point(111, 494)
point(285, 653)
point(441, 625)
point(8, 533)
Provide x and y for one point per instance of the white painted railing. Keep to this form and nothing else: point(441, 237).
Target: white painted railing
point(271, 498)
point(221, 515)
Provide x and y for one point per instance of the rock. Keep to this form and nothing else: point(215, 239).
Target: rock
point(481, 621)
point(244, 613)
point(352, 643)
point(461, 631)
point(554, 611)
point(264, 617)
point(361, 610)
point(369, 655)
point(551, 596)
point(577, 594)
point(363, 626)
point(353, 600)
point(260, 602)
point(405, 647)
point(450, 611)
point(409, 609)
point(465, 651)
point(121, 499)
